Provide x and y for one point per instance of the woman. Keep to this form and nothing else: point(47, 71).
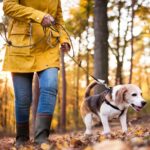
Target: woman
point(34, 47)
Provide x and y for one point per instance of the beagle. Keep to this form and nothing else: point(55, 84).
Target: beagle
point(111, 103)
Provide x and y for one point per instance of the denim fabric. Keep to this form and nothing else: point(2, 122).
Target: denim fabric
point(48, 80)
point(23, 95)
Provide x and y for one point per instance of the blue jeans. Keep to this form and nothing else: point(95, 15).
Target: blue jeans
point(48, 82)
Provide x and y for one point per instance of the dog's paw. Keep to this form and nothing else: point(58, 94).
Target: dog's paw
point(106, 133)
point(125, 131)
point(87, 134)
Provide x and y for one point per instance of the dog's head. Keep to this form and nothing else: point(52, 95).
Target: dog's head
point(129, 94)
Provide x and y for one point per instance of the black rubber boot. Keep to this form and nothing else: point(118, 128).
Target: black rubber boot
point(42, 129)
point(22, 133)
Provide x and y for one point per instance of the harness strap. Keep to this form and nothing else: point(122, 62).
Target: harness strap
point(115, 107)
point(99, 99)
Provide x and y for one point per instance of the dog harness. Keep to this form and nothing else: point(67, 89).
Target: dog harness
point(94, 102)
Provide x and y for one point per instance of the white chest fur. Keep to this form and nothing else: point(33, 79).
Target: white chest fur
point(109, 111)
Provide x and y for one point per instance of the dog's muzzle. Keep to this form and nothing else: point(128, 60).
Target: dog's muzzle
point(138, 108)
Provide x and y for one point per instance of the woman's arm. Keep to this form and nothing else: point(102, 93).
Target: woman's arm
point(13, 9)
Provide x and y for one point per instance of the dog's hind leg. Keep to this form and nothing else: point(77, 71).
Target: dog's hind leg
point(104, 120)
point(88, 123)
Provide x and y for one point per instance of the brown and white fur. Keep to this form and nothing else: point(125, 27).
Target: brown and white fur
point(122, 96)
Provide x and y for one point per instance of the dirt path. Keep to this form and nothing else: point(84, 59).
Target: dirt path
point(137, 137)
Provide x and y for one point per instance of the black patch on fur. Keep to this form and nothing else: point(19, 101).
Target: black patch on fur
point(94, 102)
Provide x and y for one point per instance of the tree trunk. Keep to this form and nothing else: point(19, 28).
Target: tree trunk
point(59, 112)
point(76, 111)
point(101, 41)
point(63, 109)
point(132, 42)
point(119, 62)
point(119, 72)
point(87, 31)
point(5, 104)
point(35, 93)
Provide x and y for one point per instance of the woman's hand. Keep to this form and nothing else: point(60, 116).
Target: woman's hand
point(65, 47)
point(47, 21)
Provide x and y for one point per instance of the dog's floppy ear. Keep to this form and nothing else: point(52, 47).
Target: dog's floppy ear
point(120, 94)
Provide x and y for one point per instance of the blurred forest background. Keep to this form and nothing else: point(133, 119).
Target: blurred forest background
point(111, 41)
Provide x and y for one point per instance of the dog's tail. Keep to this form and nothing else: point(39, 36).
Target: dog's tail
point(88, 89)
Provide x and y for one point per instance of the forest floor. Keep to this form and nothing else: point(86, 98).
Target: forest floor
point(137, 138)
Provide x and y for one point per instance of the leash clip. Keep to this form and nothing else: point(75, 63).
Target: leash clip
point(100, 81)
point(103, 82)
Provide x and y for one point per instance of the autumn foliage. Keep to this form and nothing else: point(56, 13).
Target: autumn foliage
point(129, 62)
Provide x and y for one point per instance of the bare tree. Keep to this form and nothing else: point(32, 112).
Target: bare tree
point(35, 93)
point(121, 43)
point(132, 40)
point(119, 63)
point(101, 41)
point(63, 108)
point(87, 32)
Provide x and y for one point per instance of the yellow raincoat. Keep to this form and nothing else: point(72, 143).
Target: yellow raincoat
point(25, 29)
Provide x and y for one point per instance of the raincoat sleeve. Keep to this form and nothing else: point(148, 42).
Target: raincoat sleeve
point(59, 19)
point(13, 9)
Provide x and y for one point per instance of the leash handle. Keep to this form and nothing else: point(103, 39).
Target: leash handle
point(68, 36)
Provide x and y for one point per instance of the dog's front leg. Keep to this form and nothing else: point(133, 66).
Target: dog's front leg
point(123, 121)
point(104, 120)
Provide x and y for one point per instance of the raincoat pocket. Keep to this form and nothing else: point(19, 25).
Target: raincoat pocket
point(20, 38)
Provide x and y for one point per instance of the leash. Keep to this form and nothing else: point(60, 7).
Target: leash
point(99, 81)
point(9, 43)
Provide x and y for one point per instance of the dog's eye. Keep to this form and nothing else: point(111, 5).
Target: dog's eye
point(134, 94)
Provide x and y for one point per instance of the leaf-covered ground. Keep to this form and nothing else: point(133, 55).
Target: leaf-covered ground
point(137, 138)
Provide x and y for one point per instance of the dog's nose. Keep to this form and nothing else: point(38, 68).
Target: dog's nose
point(143, 103)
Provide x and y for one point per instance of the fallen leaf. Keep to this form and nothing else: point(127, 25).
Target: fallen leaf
point(75, 143)
point(111, 145)
point(102, 138)
point(139, 132)
point(88, 148)
point(137, 141)
point(13, 148)
point(45, 146)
